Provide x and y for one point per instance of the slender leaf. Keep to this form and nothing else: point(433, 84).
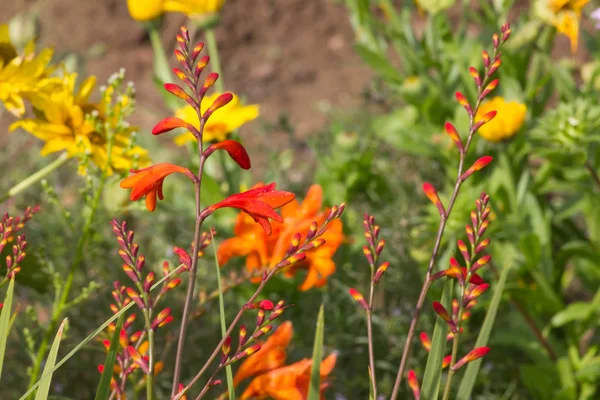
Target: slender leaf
point(104, 386)
point(44, 389)
point(314, 390)
point(433, 369)
point(468, 380)
point(5, 320)
point(91, 336)
point(230, 387)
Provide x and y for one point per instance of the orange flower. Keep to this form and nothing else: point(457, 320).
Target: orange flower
point(259, 203)
point(262, 251)
point(290, 382)
point(271, 355)
point(149, 182)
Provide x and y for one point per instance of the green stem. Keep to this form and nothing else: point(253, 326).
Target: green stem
point(79, 252)
point(150, 376)
point(162, 71)
point(451, 372)
point(213, 52)
point(36, 177)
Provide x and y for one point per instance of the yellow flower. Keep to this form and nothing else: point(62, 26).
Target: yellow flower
point(508, 121)
point(567, 14)
point(63, 126)
point(22, 76)
point(147, 10)
point(194, 7)
point(221, 123)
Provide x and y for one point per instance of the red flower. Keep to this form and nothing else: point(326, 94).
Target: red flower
point(148, 182)
point(260, 203)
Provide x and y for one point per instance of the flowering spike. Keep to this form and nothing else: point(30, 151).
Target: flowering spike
point(482, 228)
point(264, 330)
point(453, 133)
point(235, 150)
point(356, 295)
point(312, 230)
point(494, 66)
point(472, 356)
point(185, 33)
point(220, 101)
point(431, 193)
point(477, 165)
point(380, 271)
point(173, 284)
point(380, 247)
point(138, 359)
point(425, 341)
point(180, 57)
point(470, 234)
point(260, 317)
point(248, 352)
point(443, 314)
point(139, 263)
point(413, 383)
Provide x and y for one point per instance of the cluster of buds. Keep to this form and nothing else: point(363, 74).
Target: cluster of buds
point(470, 282)
point(203, 243)
point(189, 73)
point(134, 344)
point(372, 250)
point(9, 227)
point(267, 313)
point(301, 244)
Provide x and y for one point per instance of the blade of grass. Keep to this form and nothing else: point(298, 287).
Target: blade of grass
point(104, 386)
point(230, 387)
point(314, 390)
point(44, 389)
point(92, 335)
point(5, 320)
point(468, 380)
point(433, 370)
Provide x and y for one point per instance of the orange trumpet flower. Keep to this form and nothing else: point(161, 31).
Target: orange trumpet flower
point(259, 203)
point(149, 182)
point(264, 251)
point(290, 382)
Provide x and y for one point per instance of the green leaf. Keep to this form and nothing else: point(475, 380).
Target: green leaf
point(314, 390)
point(379, 63)
point(230, 387)
point(578, 311)
point(468, 380)
point(433, 369)
point(44, 389)
point(5, 321)
point(104, 386)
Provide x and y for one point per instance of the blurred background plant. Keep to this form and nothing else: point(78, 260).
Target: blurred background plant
point(373, 152)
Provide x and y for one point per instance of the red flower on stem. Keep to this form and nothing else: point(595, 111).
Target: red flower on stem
point(148, 182)
point(259, 203)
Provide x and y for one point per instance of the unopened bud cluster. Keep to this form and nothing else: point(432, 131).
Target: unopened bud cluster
point(9, 227)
